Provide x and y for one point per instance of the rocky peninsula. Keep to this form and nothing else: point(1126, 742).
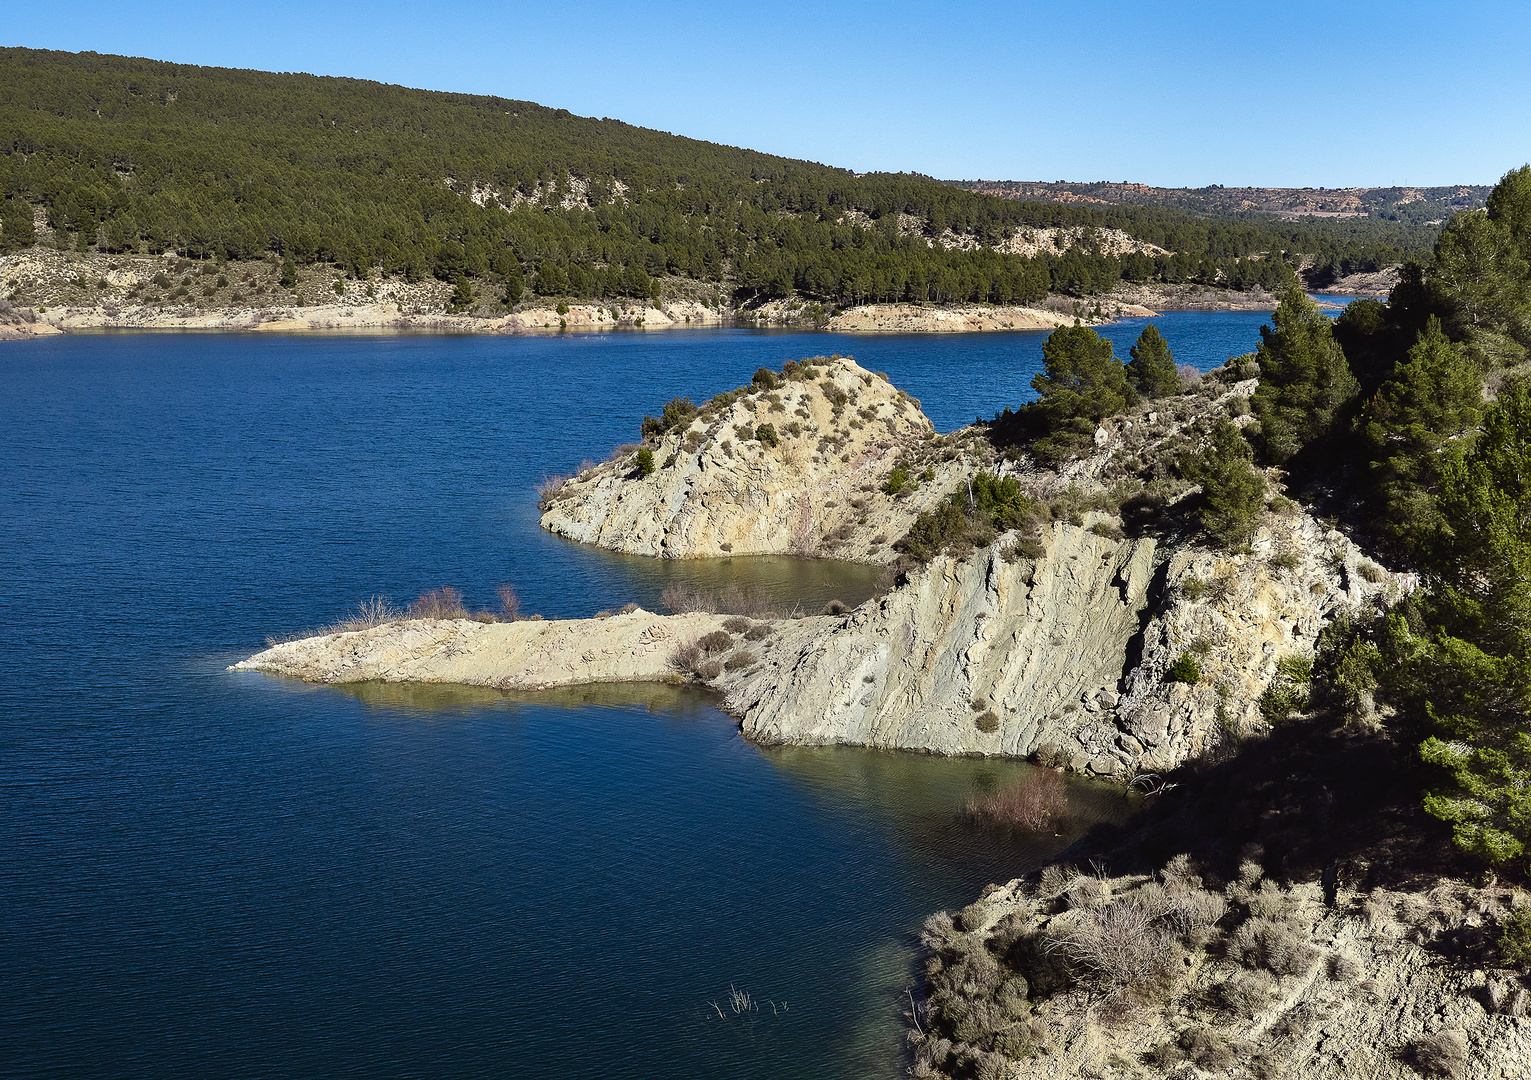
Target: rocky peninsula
point(1059, 644)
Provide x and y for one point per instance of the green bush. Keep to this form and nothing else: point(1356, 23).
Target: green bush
point(971, 518)
point(1185, 669)
point(896, 481)
point(1515, 940)
point(678, 413)
point(766, 433)
point(645, 461)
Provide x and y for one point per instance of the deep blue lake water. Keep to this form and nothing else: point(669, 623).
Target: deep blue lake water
point(211, 874)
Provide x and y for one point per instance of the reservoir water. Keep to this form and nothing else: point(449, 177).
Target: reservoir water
point(210, 874)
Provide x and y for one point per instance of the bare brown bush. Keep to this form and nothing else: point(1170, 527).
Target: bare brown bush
point(442, 603)
point(550, 487)
point(510, 603)
point(716, 642)
point(1038, 803)
point(1120, 944)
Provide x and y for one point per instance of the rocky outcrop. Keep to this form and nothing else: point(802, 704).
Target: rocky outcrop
point(1247, 980)
point(1069, 657)
point(528, 655)
point(814, 485)
point(993, 636)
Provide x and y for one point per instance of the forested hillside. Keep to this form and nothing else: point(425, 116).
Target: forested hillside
point(1362, 229)
point(117, 154)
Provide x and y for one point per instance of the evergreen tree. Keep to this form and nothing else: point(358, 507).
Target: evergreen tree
point(1304, 379)
point(1151, 369)
point(1412, 425)
point(1233, 493)
point(515, 284)
point(1080, 385)
point(1475, 660)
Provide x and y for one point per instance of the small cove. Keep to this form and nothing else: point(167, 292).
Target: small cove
point(213, 874)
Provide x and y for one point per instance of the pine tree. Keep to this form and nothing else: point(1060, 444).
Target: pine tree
point(1413, 425)
point(1304, 380)
point(1151, 371)
point(1476, 659)
point(1080, 385)
point(1233, 493)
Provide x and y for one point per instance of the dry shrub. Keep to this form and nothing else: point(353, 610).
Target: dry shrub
point(1121, 945)
point(1192, 912)
point(1247, 992)
point(1038, 803)
point(741, 659)
point(1056, 880)
point(1050, 756)
point(1269, 902)
point(733, 600)
point(550, 487)
point(1183, 871)
point(1441, 1054)
point(678, 600)
point(987, 721)
point(686, 656)
point(442, 603)
point(1272, 945)
point(835, 607)
point(369, 613)
point(708, 670)
point(758, 632)
point(510, 603)
point(1344, 968)
point(716, 642)
point(937, 929)
point(1088, 892)
point(1208, 1049)
point(737, 625)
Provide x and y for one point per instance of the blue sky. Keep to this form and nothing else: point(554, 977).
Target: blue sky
point(1290, 94)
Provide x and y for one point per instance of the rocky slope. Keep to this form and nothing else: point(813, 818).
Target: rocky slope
point(1068, 656)
point(718, 489)
point(1074, 976)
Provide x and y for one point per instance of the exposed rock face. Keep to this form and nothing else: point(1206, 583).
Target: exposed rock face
point(717, 489)
point(1071, 654)
point(530, 655)
point(1029, 642)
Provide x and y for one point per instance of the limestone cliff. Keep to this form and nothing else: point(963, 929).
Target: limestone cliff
point(1062, 645)
point(1069, 656)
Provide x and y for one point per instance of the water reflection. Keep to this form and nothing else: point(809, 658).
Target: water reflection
point(783, 583)
point(922, 798)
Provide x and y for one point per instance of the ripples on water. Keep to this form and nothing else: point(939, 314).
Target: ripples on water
point(209, 874)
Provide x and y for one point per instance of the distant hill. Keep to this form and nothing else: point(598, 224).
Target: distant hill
point(1406, 205)
point(115, 154)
